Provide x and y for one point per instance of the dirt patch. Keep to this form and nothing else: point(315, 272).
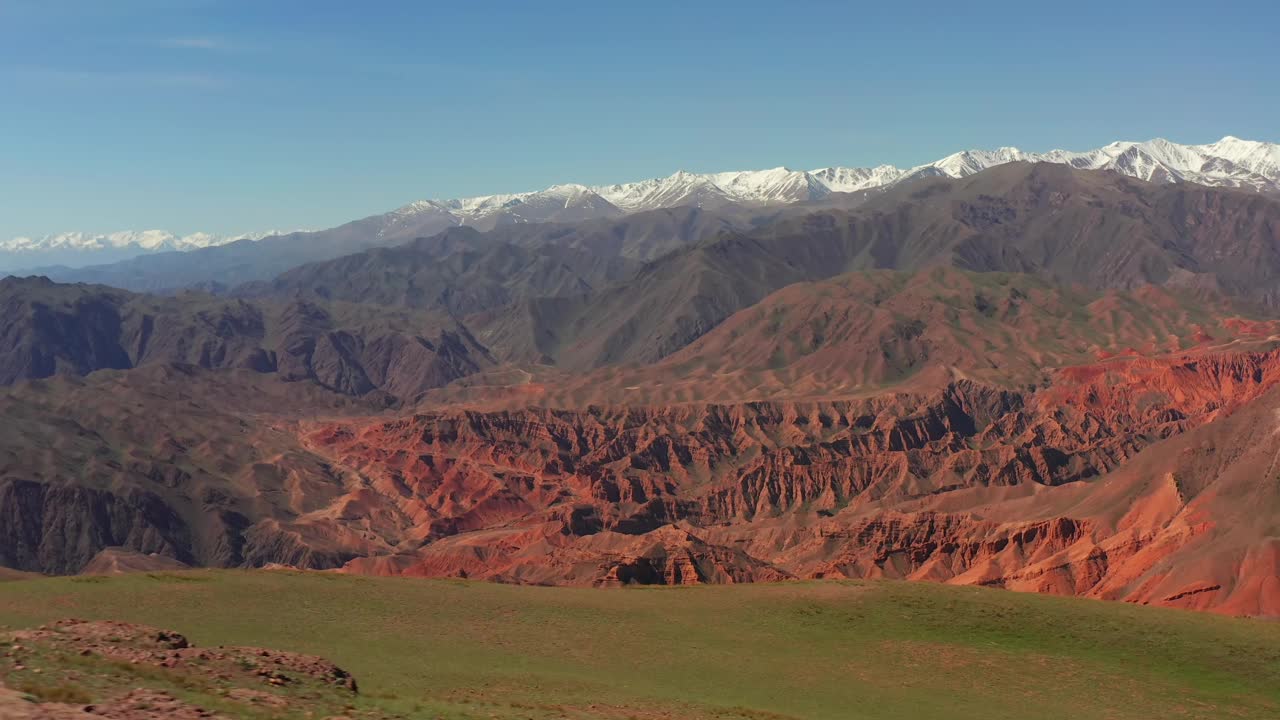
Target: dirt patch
point(139, 644)
point(87, 669)
point(143, 704)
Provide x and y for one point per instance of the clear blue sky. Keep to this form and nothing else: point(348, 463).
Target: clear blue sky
point(227, 116)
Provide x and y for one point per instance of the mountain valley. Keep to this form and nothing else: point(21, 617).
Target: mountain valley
point(1033, 377)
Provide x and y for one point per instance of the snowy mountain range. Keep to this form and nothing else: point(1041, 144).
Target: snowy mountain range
point(1229, 162)
point(74, 249)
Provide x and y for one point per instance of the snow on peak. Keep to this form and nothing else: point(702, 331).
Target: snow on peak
point(83, 248)
point(150, 240)
point(1229, 162)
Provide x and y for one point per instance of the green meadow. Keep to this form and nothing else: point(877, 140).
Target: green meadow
point(821, 650)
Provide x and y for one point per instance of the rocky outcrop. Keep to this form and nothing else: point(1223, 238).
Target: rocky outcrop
point(137, 668)
point(119, 561)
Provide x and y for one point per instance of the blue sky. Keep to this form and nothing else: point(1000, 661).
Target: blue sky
point(233, 116)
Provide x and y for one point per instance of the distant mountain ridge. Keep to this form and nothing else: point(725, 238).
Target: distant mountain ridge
point(1230, 162)
point(79, 248)
point(1086, 227)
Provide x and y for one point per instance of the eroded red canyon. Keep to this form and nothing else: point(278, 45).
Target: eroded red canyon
point(1119, 480)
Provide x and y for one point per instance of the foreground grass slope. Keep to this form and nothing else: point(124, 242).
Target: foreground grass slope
point(791, 650)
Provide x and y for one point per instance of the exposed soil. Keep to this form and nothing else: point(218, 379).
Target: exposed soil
point(76, 668)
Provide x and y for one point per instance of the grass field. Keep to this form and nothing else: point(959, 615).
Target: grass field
point(793, 650)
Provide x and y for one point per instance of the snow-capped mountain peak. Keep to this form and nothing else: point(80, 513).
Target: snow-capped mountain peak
point(844, 179)
point(1229, 162)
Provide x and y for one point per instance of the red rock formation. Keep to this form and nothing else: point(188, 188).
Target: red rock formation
point(1116, 481)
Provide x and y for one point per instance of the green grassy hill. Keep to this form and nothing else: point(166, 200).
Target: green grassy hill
point(791, 650)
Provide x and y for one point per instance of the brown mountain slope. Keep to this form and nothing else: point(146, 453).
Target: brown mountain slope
point(644, 235)
point(1095, 229)
point(239, 262)
point(194, 465)
point(465, 270)
point(49, 329)
point(461, 270)
point(865, 333)
point(639, 236)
